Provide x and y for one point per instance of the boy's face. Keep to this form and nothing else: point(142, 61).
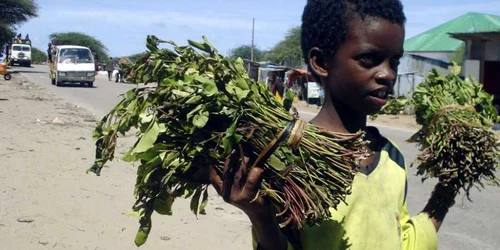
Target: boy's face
point(363, 72)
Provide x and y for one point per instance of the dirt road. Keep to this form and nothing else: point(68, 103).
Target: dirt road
point(48, 202)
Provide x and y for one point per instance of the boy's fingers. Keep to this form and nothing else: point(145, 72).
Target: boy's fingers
point(215, 180)
point(252, 184)
point(230, 168)
point(239, 176)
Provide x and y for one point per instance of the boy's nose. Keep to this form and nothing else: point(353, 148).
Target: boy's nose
point(386, 76)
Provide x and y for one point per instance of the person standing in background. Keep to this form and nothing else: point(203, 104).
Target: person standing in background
point(109, 68)
point(321, 95)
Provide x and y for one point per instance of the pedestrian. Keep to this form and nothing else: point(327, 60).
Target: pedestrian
point(49, 52)
point(352, 48)
point(109, 68)
point(118, 75)
point(321, 97)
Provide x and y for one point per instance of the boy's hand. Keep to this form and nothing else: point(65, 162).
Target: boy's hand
point(240, 186)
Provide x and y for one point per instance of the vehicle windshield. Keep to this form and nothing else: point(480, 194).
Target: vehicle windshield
point(21, 48)
point(75, 55)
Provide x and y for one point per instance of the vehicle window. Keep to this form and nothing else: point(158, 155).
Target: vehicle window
point(26, 49)
point(76, 55)
point(16, 48)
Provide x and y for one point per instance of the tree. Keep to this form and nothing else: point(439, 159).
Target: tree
point(288, 51)
point(245, 52)
point(12, 13)
point(135, 56)
point(81, 39)
point(38, 55)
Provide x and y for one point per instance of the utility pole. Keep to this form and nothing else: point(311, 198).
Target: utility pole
point(249, 70)
point(253, 31)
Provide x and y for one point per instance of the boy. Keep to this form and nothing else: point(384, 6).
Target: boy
point(352, 47)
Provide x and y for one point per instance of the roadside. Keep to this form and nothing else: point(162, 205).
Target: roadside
point(404, 122)
point(47, 200)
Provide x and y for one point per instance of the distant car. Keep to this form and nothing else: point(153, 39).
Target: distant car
point(72, 64)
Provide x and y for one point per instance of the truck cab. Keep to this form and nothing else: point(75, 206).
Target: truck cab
point(19, 52)
point(72, 64)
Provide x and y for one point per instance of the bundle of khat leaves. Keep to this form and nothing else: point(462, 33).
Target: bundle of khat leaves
point(394, 106)
point(458, 144)
point(196, 107)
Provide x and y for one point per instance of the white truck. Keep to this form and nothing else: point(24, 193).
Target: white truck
point(19, 52)
point(72, 64)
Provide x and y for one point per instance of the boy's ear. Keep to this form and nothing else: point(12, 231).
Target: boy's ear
point(317, 62)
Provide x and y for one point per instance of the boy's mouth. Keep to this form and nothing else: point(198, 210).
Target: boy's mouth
point(379, 96)
point(380, 93)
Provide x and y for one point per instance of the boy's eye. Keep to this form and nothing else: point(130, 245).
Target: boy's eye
point(368, 60)
point(395, 62)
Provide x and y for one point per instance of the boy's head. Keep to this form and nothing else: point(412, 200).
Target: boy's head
point(352, 47)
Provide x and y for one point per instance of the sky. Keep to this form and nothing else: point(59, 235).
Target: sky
point(122, 25)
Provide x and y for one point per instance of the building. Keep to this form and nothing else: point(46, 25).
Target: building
point(436, 48)
point(482, 57)
point(436, 43)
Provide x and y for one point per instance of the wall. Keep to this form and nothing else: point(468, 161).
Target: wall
point(441, 56)
point(483, 50)
point(492, 51)
point(411, 72)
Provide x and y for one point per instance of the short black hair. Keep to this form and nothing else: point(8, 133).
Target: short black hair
point(325, 22)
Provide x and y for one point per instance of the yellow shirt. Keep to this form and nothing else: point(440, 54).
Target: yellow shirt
point(376, 216)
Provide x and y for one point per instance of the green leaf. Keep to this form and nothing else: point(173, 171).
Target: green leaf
point(242, 84)
point(194, 111)
point(230, 139)
point(193, 100)
point(276, 163)
point(129, 157)
point(131, 94)
point(181, 93)
point(170, 158)
point(201, 46)
point(163, 204)
point(201, 119)
point(239, 66)
point(241, 94)
point(208, 85)
point(204, 201)
point(135, 213)
point(209, 44)
point(148, 139)
point(144, 230)
point(195, 200)
point(141, 237)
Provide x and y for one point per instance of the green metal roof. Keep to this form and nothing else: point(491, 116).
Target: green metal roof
point(438, 38)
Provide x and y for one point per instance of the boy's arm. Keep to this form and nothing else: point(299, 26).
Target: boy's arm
point(441, 200)
point(266, 234)
point(420, 232)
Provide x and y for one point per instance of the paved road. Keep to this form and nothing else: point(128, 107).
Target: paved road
point(467, 226)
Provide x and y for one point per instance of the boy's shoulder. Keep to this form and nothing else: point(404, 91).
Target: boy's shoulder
point(387, 145)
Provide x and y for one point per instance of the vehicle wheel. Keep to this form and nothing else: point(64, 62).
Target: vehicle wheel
point(7, 77)
point(29, 65)
point(58, 83)
point(90, 84)
point(53, 80)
